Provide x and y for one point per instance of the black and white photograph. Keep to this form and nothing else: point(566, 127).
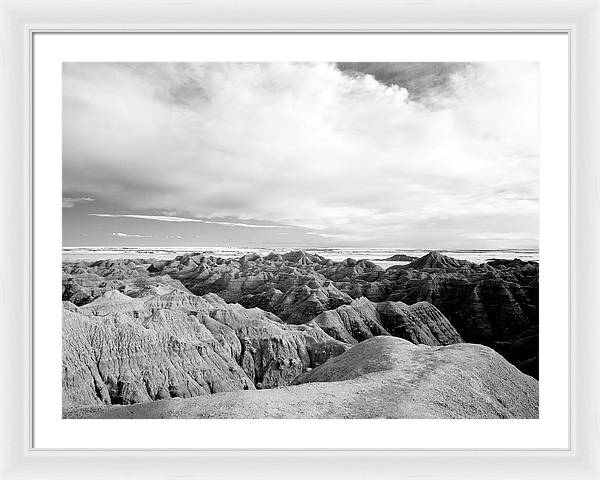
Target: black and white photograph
point(300, 240)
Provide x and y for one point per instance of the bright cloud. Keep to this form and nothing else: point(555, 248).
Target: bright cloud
point(310, 146)
point(129, 235)
point(162, 218)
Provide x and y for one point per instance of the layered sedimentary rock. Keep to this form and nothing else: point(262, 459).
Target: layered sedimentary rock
point(112, 360)
point(237, 280)
point(299, 304)
point(143, 335)
point(495, 303)
point(421, 323)
point(118, 349)
point(486, 303)
point(85, 281)
point(137, 331)
point(382, 377)
point(352, 323)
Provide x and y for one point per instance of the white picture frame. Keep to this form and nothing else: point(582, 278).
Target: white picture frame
point(20, 20)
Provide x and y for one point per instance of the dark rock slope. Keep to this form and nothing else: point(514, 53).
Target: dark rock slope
point(382, 377)
point(494, 304)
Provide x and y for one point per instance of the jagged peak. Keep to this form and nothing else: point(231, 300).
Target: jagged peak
point(274, 257)
point(250, 257)
point(436, 259)
point(361, 301)
point(111, 297)
point(302, 257)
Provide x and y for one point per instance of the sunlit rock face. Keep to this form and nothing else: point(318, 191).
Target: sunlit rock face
point(421, 323)
point(118, 349)
point(85, 281)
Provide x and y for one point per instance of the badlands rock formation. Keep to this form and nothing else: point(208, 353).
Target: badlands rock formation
point(85, 281)
point(400, 257)
point(118, 349)
point(382, 377)
point(494, 304)
point(139, 331)
point(420, 323)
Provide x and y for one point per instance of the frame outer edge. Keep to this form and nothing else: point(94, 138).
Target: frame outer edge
point(585, 238)
point(14, 284)
point(587, 241)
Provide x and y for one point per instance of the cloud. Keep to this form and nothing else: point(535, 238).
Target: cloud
point(128, 235)
point(424, 81)
point(328, 235)
point(159, 218)
point(163, 218)
point(70, 202)
point(245, 225)
point(346, 153)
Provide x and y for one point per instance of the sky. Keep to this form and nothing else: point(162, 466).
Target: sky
point(400, 155)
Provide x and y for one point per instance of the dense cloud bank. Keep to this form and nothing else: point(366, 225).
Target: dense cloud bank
point(347, 153)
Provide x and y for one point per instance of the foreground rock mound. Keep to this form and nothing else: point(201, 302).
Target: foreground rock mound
point(382, 377)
